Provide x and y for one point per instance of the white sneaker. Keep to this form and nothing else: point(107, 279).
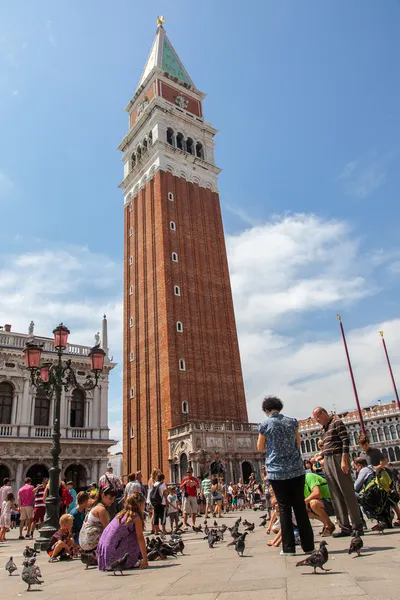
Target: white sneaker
point(282, 553)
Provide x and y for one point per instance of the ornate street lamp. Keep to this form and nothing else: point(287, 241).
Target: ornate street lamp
point(52, 379)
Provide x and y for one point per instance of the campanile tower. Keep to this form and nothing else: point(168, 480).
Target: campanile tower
point(181, 354)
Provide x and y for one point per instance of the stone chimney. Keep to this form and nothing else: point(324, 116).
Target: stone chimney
point(7, 328)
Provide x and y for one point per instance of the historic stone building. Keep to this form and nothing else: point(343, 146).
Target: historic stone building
point(26, 415)
point(382, 424)
point(181, 354)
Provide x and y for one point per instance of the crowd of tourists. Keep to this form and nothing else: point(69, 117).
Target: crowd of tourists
point(108, 519)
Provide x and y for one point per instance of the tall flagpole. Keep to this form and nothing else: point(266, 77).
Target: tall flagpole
point(390, 369)
point(351, 375)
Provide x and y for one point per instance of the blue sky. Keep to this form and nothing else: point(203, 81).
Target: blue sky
point(306, 98)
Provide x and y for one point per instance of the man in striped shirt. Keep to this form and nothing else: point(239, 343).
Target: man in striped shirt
point(335, 451)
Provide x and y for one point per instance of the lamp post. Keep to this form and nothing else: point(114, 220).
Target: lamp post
point(52, 379)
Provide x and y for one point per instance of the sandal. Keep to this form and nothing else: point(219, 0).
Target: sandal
point(328, 531)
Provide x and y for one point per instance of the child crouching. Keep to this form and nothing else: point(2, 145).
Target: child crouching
point(61, 544)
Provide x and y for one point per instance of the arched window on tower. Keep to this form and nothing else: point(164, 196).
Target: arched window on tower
point(6, 402)
point(180, 142)
point(150, 138)
point(185, 407)
point(138, 153)
point(133, 160)
point(42, 410)
point(77, 416)
point(199, 150)
point(189, 146)
point(170, 136)
point(144, 145)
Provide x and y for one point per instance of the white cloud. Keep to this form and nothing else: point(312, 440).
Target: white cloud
point(285, 274)
point(361, 179)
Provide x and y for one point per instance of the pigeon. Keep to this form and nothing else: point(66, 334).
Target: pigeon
point(317, 559)
point(250, 527)
point(240, 544)
point(223, 528)
point(89, 559)
point(215, 523)
point(263, 523)
point(264, 516)
point(205, 522)
point(237, 523)
point(245, 523)
point(29, 575)
point(166, 550)
point(11, 566)
point(119, 564)
point(28, 552)
point(179, 547)
point(211, 539)
point(356, 544)
point(198, 529)
point(179, 526)
point(206, 530)
point(378, 527)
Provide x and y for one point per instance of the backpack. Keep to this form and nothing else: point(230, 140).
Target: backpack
point(66, 497)
point(375, 493)
point(155, 496)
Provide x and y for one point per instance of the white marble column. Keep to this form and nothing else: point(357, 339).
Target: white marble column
point(24, 410)
point(18, 479)
point(104, 410)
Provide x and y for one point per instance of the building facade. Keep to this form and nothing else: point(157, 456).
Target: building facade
point(382, 424)
point(26, 415)
point(181, 353)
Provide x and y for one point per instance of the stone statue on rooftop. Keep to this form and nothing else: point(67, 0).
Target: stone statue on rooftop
point(31, 328)
point(97, 339)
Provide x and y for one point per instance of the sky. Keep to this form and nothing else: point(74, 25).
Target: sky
point(306, 98)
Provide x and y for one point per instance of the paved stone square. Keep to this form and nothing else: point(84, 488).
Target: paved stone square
point(208, 574)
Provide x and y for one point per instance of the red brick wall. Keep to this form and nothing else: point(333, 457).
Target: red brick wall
point(212, 383)
point(169, 92)
point(150, 92)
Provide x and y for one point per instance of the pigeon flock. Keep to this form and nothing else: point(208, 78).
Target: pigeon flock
point(159, 547)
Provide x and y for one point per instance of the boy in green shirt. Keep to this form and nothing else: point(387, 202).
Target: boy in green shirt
point(318, 501)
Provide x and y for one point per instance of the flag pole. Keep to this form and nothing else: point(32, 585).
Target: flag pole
point(390, 370)
point(351, 375)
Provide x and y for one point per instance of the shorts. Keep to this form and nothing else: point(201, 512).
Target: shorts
point(26, 513)
point(190, 505)
point(5, 521)
point(159, 515)
point(217, 498)
point(173, 518)
point(240, 501)
point(209, 498)
point(39, 514)
point(328, 506)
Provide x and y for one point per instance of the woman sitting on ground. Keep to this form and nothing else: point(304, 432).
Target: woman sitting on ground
point(124, 535)
point(96, 520)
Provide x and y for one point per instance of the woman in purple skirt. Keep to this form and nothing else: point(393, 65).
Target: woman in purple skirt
point(124, 535)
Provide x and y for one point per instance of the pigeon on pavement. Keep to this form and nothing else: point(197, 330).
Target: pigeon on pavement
point(356, 544)
point(28, 552)
point(198, 529)
point(240, 544)
point(89, 559)
point(378, 527)
point(11, 566)
point(119, 564)
point(317, 559)
point(29, 575)
point(250, 527)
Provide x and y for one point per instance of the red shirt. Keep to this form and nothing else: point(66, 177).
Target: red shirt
point(191, 484)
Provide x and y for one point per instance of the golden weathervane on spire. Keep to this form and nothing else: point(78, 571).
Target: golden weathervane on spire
point(160, 21)
point(381, 333)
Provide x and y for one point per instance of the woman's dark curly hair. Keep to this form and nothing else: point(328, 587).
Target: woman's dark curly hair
point(272, 403)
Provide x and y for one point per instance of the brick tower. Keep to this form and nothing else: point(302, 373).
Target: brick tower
point(181, 354)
